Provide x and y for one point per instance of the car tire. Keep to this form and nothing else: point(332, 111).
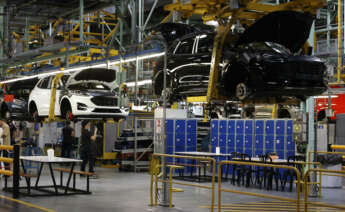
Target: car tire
point(242, 91)
point(34, 113)
point(5, 113)
point(66, 112)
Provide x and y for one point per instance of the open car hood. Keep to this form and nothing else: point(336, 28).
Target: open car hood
point(288, 28)
point(173, 31)
point(103, 76)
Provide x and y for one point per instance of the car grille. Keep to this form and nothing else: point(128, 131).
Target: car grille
point(104, 101)
point(106, 110)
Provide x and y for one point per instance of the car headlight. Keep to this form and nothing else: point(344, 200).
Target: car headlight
point(78, 93)
point(18, 102)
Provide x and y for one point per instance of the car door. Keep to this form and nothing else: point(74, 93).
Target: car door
point(42, 96)
point(183, 58)
point(203, 53)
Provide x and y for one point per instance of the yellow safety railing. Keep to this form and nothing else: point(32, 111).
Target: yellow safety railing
point(155, 173)
point(303, 164)
point(306, 193)
point(220, 189)
point(339, 147)
point(15, 171)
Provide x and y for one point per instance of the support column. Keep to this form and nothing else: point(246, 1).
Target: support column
point(2, 28)
point(81, 20)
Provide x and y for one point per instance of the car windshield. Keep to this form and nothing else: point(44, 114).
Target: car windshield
point(269, 46)
point(88, 86)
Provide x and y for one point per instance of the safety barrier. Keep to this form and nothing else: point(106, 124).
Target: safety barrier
point(156, 166)
point(306, 193)
point(15, 171)
point(297, 200)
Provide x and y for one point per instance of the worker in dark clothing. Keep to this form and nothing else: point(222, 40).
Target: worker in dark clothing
point(68, 139)
point(87, 149)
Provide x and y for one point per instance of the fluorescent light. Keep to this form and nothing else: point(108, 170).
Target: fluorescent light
point(132, 59)
point(139, 83)
point(325, 97)
point(98, 65)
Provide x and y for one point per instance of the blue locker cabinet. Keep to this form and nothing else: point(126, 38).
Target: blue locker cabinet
point(231, 127)
point(170, 126)
point(180, 126)
point(269, 127)
point(280, 142)
point(180, 140)
point(248, 129)
point(223, 127)
point(214, 127)
point(191, 139)
point(231, 143)
point(259, 127)
point(239, 126)
point(239, 143)
point(191, 126)
point(280, 127)
point(180, 148)
point(289, 127)
point(269, 143)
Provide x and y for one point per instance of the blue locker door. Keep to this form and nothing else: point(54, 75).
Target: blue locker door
point(222, 127)
point(280, 127)
point(191, 126)
point(170, 139)
point(180, 126)
point(259, 145)
point(214, 127)
point(248, 130)
point(269, 143)
point(170, 126)
point(180, 140)
point(269, 127)
point(280, 141)
point(239, 126)
point(280, 154)
point(170, 151)
point(214, 141)
point(191, 148)
point(289, 127)
point(231, 143)
point(290, 144)
point(231, 126)
point(259, 127)
point(222, 140)
point(248, 141)
point(239, 143)
point(191, 139)
point(180, 148)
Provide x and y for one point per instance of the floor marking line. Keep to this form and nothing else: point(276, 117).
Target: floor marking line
point(27, 204)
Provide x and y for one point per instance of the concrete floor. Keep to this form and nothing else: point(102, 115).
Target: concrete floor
point(129, 192)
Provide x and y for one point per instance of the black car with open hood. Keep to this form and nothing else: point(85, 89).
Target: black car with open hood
point(264, 61)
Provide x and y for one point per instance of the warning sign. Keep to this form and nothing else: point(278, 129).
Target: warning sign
point(158, 126)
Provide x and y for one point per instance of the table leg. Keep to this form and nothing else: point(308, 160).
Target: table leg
point(39, 175)
point(27, 179)
point(69, 178)
point(53, 177)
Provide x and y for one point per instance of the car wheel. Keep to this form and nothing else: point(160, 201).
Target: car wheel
point(5, 113)
point(34, 113)
point(67, 112)
point(242, 91)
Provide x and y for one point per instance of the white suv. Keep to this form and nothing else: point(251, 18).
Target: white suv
point(89, 93)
